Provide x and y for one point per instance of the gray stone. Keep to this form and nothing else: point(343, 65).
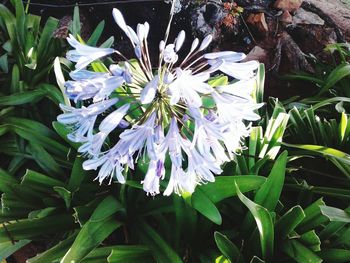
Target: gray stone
point(307, 18)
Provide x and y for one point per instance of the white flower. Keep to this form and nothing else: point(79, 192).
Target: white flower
point(82, 120)
point(175, 143)
point(150, 90)
point(187, 87)
point(233, 136)
point(84, 54)
point(231, 65)
point(124, 72)
point(229, 56)
point(203, 167)
point(206, 42)
point(170, 55)
point(138, 138)
point(109, 168)
point(137, 112)
point(86, 74)
point(231, 108)
point(207, 137)
point(244, 70)
point(194, 45)
point(200, 168)
point(180, 40)
point(108, 124)
point(155, 173)
point(179, 182)
point(97, 88)
point(119, 19)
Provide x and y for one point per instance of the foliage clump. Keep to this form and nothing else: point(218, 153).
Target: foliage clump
point(285, 197)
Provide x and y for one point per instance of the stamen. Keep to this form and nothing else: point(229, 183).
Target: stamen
point(200, 67)
point(194, 62)
point(193, 47)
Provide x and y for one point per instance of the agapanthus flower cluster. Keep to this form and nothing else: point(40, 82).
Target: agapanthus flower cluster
point(169, 116)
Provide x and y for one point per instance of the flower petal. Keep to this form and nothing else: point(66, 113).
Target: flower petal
point(149, 92)
point(119, 19)
point(110, 122)
point(180, 40)
point(206, 42)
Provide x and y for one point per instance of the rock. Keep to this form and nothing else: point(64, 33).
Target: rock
point(249, 3)
point(338, 12)
point(286, 17)
point(259, 22)
point(304, 17)
point(312, 38)
point(294, 57)
point(259, 54)
point(206, 17)
point(288, 5)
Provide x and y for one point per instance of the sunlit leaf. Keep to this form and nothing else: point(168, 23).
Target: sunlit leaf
point(264, 223)
point(227, 248)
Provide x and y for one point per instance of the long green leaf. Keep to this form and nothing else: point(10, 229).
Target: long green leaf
point(313, 217)
point(9, 20)
point(264, 223)
point(227, 248)
point(46, 38)
point(322, 150)
point(55, 253)
point(130, 254)
point(335, 255)
point(289, 221)
point(336, 75)
point(22, 98)
point(299, 252)
point(100, 225)
point(269, 193)
point(95, 36)
point(40, 182)
point(311, 240)
point(223, 186)
point(32, 229)
point(335, 214)
point(159, 248)
point(78, 174)
point(205, 206)
point(260, 83)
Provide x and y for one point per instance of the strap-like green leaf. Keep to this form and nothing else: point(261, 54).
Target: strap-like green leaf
point(222, 187)
point(269, 193)
point(205, 206)
point(264, 223)
point(299, 252)
point(130, 254)
point(55, 253)
point(335, 255)
point(227, 248)
point(289, 221)
point(159, 247)
point(100, 225)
